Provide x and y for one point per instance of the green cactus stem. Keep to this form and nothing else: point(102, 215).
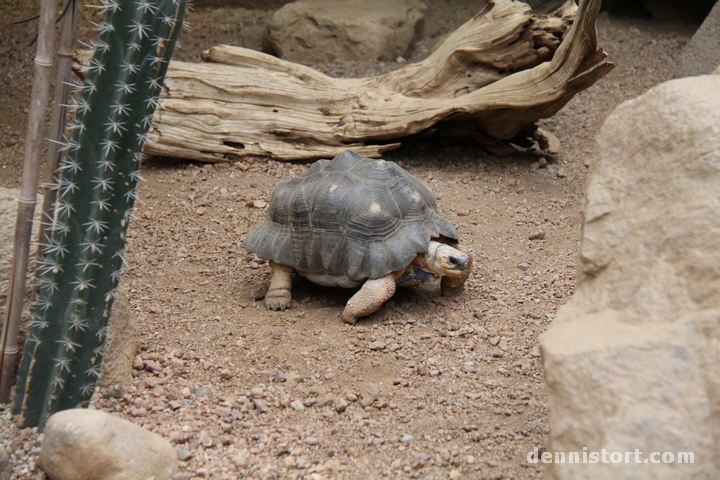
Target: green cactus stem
point(97, 191)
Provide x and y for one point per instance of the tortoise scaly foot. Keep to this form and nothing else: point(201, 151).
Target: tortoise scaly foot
point(278, 299)
point(369, 298)
point(279, 296)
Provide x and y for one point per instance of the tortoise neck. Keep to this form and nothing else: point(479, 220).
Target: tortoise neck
point(428, 260)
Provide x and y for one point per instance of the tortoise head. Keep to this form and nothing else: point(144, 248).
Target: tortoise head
point(451, 261)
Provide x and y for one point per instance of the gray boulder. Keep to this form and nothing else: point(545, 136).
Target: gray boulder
point(86, 444)
point(702, 53)
point(326, 30)
point(631, 360)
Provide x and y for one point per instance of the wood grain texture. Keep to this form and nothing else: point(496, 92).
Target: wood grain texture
point(491, 80)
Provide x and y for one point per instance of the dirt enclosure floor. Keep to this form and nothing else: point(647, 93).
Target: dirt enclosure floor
point(428, 387)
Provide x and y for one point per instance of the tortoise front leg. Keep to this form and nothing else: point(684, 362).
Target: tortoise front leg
point(278, 296)
point(369, 298)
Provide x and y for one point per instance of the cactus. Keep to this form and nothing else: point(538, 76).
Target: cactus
point(82, 262)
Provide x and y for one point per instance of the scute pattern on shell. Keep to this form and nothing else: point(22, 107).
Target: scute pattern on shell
point(351, 215)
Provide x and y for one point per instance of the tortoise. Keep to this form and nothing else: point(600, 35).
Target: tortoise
point(356, 222)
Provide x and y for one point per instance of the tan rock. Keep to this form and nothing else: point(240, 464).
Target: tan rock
point(631, 361)
point(322, 30)
point(80, 444)
point(8, 217)
point(5, 468)
point(122, 344)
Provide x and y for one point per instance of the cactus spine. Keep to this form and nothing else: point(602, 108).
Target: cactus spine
point(82, 262)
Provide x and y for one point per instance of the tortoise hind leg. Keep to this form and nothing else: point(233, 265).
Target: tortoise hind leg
point(369, 298)
point(278, 296)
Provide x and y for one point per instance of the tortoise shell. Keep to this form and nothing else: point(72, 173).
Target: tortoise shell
point(350, 216)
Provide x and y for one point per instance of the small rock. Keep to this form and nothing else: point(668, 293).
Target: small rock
point(341, 405)
point(470, 459)
point(303, 461)
point(312, 441)
point(222, 412)
point(297, 405)
point(202, 391)
point(139, 412)
point(325, 401)
point(496, 353)
point(537, 235)
point(377, 345)
point(255, 266)
point(259, 204)
point(82, 443)
point(290, 461)
point(257, 392)
point(455, 474)
point(241, 458)
point(138, 363)
point(184, 454)
point(523, 266)
point(407, 438)
point(261, 405)
point(226, 374)
point(542, 161)
point(204, 439)
point(561, 173)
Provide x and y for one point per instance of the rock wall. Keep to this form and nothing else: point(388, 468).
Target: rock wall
point(631, 361)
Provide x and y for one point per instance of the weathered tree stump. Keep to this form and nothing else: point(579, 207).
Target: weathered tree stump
point(491, 81)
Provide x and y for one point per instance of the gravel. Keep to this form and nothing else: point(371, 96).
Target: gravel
point(427, 387)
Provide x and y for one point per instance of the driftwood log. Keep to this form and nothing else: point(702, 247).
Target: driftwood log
point(491, 80)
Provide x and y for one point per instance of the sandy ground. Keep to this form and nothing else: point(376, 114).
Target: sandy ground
point(428, 387)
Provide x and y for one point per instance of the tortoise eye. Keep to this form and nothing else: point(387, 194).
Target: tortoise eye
point(453, 259)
